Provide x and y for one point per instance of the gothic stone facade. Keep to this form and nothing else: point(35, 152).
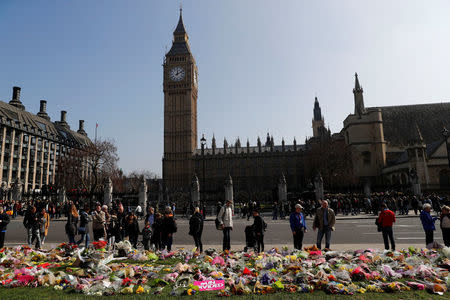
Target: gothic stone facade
point(387, 143)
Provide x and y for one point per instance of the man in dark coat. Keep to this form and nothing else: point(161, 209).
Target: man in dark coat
point(169, 227)
point(4, 221)
point(196, 228)
point(258, 227)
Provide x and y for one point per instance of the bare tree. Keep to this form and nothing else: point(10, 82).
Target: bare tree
point(86, 168)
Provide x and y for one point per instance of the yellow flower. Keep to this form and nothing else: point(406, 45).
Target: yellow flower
point(139, 290)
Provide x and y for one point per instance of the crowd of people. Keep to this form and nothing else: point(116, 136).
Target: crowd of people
point(118, 223)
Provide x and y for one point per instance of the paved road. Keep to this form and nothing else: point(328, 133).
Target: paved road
point(363, 232)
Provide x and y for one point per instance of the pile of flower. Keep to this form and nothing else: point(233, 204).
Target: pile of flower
point(96, 271)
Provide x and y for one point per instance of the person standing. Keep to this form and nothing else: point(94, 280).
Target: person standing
point(150, 216)
point(324, 220)
point(28, 223)
point(258, 228)
point(132, 229)
point(169, 227)
point(428, 224)
point(226, 224)
point(4, 221)
point(445, 225)
point(298, 226)
point(157, 232)
point(98, 223)
point(275, 211)
point(84, 226)
point(196, 228)
point(45, 217)
point(71, 225)
point(138, 211)
point(146, 235)
point(386, 220)
point(37, 222)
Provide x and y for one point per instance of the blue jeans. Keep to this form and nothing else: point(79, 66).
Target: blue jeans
point(168, 240)
point(84, 236)
point(327, 232)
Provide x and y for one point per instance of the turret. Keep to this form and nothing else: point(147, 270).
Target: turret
point(359, 99)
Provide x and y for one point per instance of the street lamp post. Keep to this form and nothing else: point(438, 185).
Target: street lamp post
point(445, 135)
point(202, 189)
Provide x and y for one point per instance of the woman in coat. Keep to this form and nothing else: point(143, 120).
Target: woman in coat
point(157, 230)
point(428, 223)
point(132, 229)
point(196, 228)
point(445, 225)
point(71, 225)
point(84, 226)
point(169, 227)
point(45, 224)
point(225, 218)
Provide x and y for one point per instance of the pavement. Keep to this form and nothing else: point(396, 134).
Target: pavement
point(352, 232)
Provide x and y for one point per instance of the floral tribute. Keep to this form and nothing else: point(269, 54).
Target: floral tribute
point(100, 270)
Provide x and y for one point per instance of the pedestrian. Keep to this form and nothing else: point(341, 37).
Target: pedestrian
point(386, 220)
point(324, 220)
point(298, 226)
point(258, 227)
point(45, 216)
point(72, 221)
point(275, 211)
point(28, 223)
point(111, 229)
point(84, 226)
point(169, 227)
point(98, 223)
point(225, 218)
point(196, 228)
point(146, 235)
point(156, 239)
point(120, 228)
point(138, 211)
point(36, 226)
point(132, 229)
point(150, 216)
point(445, 224)
point(428, 224)
point(4, 221)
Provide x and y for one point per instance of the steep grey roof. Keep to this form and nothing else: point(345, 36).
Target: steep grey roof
point(180, 27)
point(399, 122)
point(35, 125)
point(179, 48)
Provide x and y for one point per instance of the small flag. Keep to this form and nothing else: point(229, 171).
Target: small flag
point(96, 125)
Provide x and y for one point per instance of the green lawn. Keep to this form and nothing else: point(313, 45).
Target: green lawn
point(49, 293)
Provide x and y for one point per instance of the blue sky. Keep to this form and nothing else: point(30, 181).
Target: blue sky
point(260, 63)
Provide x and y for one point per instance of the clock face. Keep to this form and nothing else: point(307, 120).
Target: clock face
point(177, 74)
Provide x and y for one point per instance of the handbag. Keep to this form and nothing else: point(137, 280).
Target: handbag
point(378, 225)
point(82, 229)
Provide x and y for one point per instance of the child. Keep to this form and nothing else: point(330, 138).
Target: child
point(146, 235)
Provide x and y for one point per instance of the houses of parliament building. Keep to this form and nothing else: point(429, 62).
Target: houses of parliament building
point(382, 145)
point(250, 167)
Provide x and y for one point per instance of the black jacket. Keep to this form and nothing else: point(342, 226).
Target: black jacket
point(71, 225)
point(258, 225)
point(196, 224)
point(132, 229)
point(157, 230)
point(28, 219)
point(5, 221)
point(168, 226)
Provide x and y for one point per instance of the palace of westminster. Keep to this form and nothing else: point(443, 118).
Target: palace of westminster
point(380, 147)
point(384, 144)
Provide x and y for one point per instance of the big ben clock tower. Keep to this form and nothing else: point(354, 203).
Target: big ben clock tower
point(180, 111)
